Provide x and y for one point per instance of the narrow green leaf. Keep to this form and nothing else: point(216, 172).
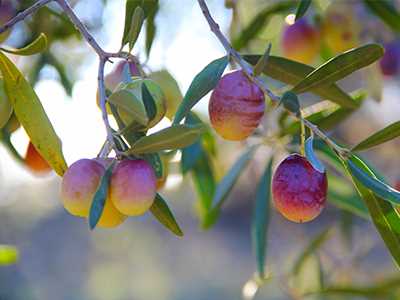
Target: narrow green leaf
point(173, 94)
point(174, 137)
point(383, 214)
point(339, 67)
point(204, 181)
point(226, 185)
point(37, 46)
point(154, 159)
point(99, 199)
point(302, 8)
point(313, 246)
point(259, 22)
point(340, 191)
point(149, 103)
point(192, 153)
point(374, 184)
point(261, 218)
point(136, 27)
point(382, 136)
point(151, 28)
point(6, 108)
point(62, 72)
point(291, 102)
point(312, 157)
point(201, 85)
point(262, 62)
point(9, 255)
point(127, 101)
point(190, 156)
point(130, 7)
point(163, 214)
point(342, 195)
point(382, 290)
point(386, 11)
point(32, 116)
point(292, 72)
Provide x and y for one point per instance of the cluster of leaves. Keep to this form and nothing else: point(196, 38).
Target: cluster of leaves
point(372, 198)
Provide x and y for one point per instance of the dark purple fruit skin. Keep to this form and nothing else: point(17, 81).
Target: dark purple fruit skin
point(390, 62)
point(298, 190)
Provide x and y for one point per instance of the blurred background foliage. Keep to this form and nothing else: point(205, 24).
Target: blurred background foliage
point(58, 258)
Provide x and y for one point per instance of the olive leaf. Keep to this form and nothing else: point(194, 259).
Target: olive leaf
point(201, 85)
point(170, 138)
point(37, 46)
point(290, 102)
point(312, 157)
point(261, 215)
point(32, 116)
point(226, 185)
point(313, 246)
point(127, 101)
point(204, 181)
point(151, 27)
point(386, 12)
point(302, 8)
point(339, 67)
point(259, 22)
point(149, 103)
point(383, 214)
point(154, 159)
point(374, 184)
point(130, 6)
point(262, 62)
point(136, 26)
point(382, 136)
point(163, 214)
point(100, 197)
point(292, 72)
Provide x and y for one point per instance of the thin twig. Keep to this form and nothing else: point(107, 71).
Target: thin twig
point(103, 57)
point(247, 69)
point(22, 15)
point(81, 27)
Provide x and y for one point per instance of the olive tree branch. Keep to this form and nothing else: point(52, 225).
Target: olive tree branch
point(103, 56)
point(248, 70)
point(22, 15)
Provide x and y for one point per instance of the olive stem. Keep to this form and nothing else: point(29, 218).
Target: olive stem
point(248, 70)
point(302, 135)
point(23, 14)
point(103, 55)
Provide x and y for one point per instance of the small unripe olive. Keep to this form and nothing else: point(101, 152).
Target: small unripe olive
point(300, 42)
point(35, 162)
point(79, 185)
point(390, 62)
point(339, 29)
point(133, 187)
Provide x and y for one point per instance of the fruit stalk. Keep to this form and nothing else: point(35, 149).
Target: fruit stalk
point(247, 69)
